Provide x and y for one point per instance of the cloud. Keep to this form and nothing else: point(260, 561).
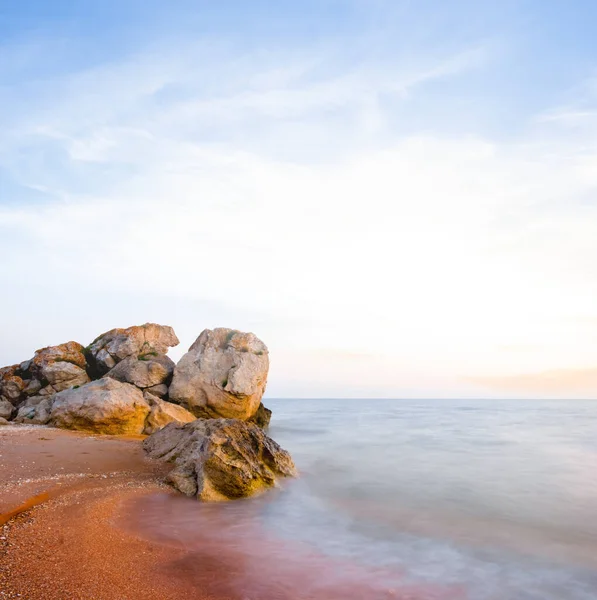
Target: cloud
point(275, 191)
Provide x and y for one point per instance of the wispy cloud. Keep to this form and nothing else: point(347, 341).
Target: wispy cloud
point(281, 187)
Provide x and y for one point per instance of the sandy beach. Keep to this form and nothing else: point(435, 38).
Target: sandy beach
point(60, 494)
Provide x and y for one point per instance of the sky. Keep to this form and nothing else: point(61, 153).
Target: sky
point(399, 198)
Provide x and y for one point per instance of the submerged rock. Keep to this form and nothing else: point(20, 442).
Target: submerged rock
point(223, 374)
point(220, 459)
point(104, 406)
point(106, 351)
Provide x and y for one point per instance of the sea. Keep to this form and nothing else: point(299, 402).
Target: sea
point(411, 500)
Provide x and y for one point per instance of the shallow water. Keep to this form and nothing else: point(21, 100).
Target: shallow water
point(433, 499)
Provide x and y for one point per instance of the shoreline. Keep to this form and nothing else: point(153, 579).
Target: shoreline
point(80, 512)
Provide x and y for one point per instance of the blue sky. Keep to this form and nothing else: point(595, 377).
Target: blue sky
point(397, 196)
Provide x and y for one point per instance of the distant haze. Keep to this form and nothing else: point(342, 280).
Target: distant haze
point(399, 198)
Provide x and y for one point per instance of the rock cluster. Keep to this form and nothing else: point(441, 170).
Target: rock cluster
point(111, 386)
point(204, 413)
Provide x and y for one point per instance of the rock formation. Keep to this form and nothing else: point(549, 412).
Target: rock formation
point(121, 384)
point(140, 341)
point(220, 459)
point(223, 374)
point(104, 406)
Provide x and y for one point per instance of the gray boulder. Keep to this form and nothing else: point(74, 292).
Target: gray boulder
point(220, 459)
point(35, 414)
point(223, 374)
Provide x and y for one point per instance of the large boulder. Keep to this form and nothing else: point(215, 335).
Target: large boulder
point(223, 374)
point(148, 371)
point(104, 406)
point(163, 412)
point(220, 459)
point(106, 351)
point(56, 368)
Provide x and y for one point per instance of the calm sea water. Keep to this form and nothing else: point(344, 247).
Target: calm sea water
point(420, 499)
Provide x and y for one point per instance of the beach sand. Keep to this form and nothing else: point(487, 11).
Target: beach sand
point(60, 494)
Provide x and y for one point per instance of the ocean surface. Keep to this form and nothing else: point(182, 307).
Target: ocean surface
point(412, 500)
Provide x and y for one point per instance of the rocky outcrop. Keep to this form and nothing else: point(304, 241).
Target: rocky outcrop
point(220, 459)
point(105, 406)
point(163, 412)
point(140, 341)
point(3, 421)
point(148, 371)
point(223, 374)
